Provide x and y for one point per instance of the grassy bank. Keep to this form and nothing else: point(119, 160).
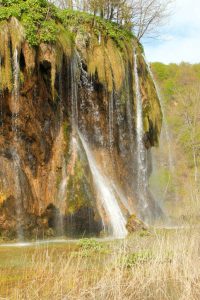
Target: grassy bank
point(161, 265)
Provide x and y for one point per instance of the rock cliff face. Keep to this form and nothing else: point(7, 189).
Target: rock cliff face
point(52, 97)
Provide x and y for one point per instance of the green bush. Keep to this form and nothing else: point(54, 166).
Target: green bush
point(40, 19)
point(37, 16)
point(135, 258)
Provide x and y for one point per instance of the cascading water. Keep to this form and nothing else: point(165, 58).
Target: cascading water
point(129, 114)
point(1, 100)
point(63, 184)
point(165, 125)
point(74, 92)
point(142, 183)
point(165, 132)
point(62, 191)
point(106, 196)
point(15, 94)
point(15, 156)
point(105, 193)
point(91, 105)
point(111, 120)
point(122, 198)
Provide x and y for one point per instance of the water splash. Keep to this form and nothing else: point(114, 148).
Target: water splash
point(122, 198)
point(106, 196)
point(142, 183)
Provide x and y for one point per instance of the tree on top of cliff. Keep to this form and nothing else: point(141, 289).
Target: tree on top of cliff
point(41, 21)
point(144, 17)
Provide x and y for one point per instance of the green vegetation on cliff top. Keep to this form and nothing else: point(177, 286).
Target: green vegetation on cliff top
point(41, 18)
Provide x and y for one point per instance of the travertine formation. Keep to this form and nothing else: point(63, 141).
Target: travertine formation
point(50, 93)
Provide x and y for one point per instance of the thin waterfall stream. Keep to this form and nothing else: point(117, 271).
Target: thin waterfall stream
point(142, 183)
point(1, 100)
point(171, 161)
point(165, 125)
point(106, 196)
point(15, 156)
point(111, 120)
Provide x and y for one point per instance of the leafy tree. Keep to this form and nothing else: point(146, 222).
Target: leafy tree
point(181, 91)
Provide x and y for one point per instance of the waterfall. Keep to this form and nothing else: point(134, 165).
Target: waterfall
point(120, 195)
point(106, 196)
point(142, 183)
point(74, 92)
point(165, 125)
point(104, 190)
point(99, 38)
point(1, 99)
point(129, 114)
point(171, 162)
point(63, 184)
point(15, 94)
point(111, 120)
point(15, 155)
point(18, 194)
point(92, 106)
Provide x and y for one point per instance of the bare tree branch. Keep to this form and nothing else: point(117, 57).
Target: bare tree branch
point(144, 17)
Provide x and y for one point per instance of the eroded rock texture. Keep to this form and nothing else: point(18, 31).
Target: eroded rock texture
point(50, 93)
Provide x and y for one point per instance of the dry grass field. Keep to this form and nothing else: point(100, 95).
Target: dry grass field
point(161, 264)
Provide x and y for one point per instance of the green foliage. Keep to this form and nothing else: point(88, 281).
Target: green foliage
point(37, 16)
point(130, 260)
point(179, 86)
point(48, 32)
point(144, 233)
point(92, 246)
point(99, 25)
point(40, 19)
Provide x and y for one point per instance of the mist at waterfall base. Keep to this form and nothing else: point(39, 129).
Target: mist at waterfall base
point(113, 206)
point(162, 181)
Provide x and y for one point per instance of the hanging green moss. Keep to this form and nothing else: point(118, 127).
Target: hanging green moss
point(79, 193)
point(17, 33)
point(152, 114)
point(5, 54)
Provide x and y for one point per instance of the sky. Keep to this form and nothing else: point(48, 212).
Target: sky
point(180, 37)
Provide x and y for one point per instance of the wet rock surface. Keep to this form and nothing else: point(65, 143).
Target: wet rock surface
point(46, 185)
